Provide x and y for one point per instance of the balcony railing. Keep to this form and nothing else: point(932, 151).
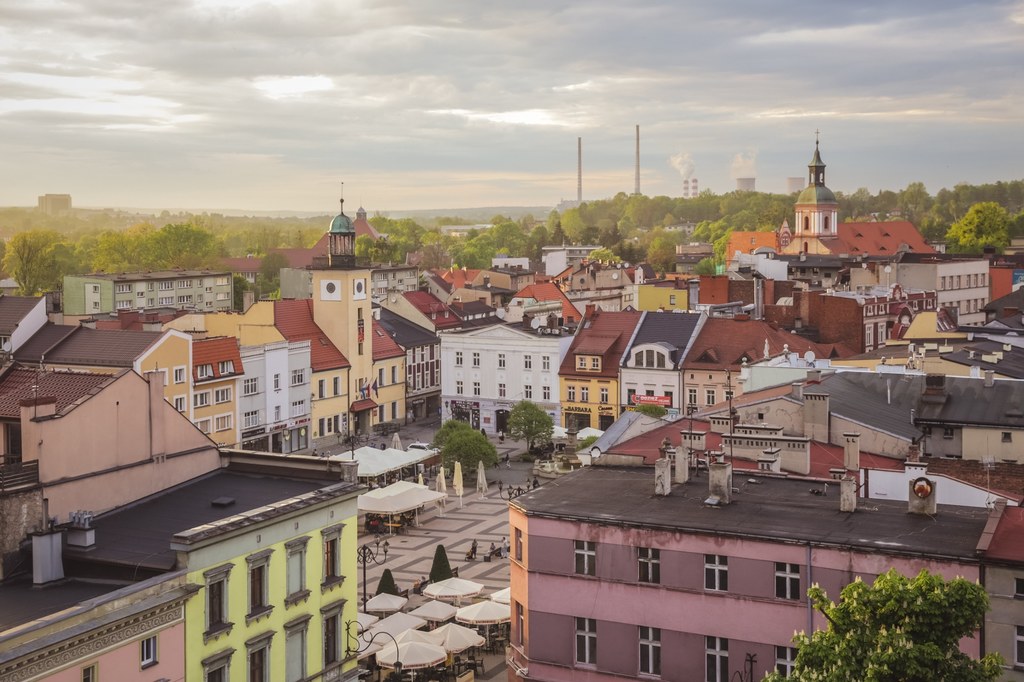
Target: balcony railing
point(20, 475)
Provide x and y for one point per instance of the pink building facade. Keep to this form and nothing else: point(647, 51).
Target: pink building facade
point(611, 580)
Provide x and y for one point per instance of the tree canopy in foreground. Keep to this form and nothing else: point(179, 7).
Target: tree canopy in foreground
point(899, 629)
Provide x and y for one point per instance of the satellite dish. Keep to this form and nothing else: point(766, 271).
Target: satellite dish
point(500, 313)
point(809, 357)
point(535, 323)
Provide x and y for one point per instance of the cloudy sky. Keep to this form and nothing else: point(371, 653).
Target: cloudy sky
point(269, 104)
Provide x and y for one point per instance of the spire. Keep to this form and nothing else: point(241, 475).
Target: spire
point(816, 168)
point(341, 207)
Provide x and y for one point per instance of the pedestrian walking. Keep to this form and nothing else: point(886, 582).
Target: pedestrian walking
point(536, 483)
point(472, 549)
point(504, 547)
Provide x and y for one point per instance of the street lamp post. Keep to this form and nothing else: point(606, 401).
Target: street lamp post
point(377, 555)
point(366, 643)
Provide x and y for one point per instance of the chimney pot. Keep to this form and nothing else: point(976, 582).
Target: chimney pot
point(848, 494)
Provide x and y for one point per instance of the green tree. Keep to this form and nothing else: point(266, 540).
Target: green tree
point(603, 255)
point(897, 630)
point(440, 569)
point(986, 224)
point(530, 423)
point(387, 584)
point(651, 410)
point(661, 254)
point(184, 245)
point(470, 447)
point(269, 278)
point(705, 266)
point(585, 444)
point(31, 260)
point(446, 431)
point(240, 285)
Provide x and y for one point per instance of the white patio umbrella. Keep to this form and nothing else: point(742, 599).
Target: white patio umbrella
point(435, 611)
point(485, 612)
point(394, 625)
point(396, 442)
point(365, 620)
point(412, 654)
point(456, 638)
point(481, 478)
point(385, 603)
point(502, 596)
point(452, 589)
point(442, 487)
point(457, 481)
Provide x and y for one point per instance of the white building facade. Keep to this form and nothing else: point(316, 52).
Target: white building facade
point(488, 370)
point(274, 403)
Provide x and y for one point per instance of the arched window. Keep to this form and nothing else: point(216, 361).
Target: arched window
point(638, 359)
point(661, 359)
point(807, 223)
point(805, 247)
point(826, 223)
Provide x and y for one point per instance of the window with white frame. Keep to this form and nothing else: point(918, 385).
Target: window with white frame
point(165, 300)
point(124, 288)
point(527, 362)
point(185, 300)
point(604, 395)
point(251, 386)
point(332, 636)
point(166, 285)
point(501, 390)
point(204, 371)
point(226, 367)
point(179, 375)
point(147, 652)
point(295, 651)
point(298, 377)
point(586, 640)
point(222, 423)
point(545, 363)
point(201, 399)
point(570, 394)
point(584, 394)
point(277, 381)
point(650, 650)
point(123, 305)
point(716, 572)
point(476, 359)
point(203, 425)
point(458, 358)
point(709, 396)
point(222, 395)
point(585, 554)
point(459, 387)
point(691, 396)
point(259, 659)
point(251, 419)
point(546, 392)
point(216, 580)
point(298, 408)
point(295, 551)
point(787, 580)
point(785, 660)
point(476, 388)
point(501, 361)
point(259, 565)
point(91, 673)
point(716, 651)
point(648, 564)
point(331, 538)
point(180, 403)
point(528, 392)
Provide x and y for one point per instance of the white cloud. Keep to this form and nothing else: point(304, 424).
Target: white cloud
point(293, 86)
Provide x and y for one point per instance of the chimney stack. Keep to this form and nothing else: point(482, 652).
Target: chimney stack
point(157, 414)
point(662, 476)
point(851, 450)
point(682, 464)
point(848, 494)
point(990, 378)
point(720, 482)
point(922, 496)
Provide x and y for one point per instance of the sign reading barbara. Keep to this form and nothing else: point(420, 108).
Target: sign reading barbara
point(662, 400)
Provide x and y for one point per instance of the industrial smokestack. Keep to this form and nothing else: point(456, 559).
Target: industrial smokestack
point(636, 188)
point(579, 170)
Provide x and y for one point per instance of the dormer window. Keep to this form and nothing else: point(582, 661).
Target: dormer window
point(204, 371)
point(595, 363)
point(581, 362)
point(226, 367)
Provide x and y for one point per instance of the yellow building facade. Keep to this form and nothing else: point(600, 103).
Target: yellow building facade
point(653, 298)
point(277, 590)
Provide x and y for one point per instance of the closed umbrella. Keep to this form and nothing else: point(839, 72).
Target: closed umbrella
point(419, 479)
point(481, 478)
point(457, 481)
point(396, 442)
point(385, 603)
point(452, 589)
point(442, 487)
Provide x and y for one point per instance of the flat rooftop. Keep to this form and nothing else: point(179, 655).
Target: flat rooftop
point(139, 535)
point(22, 602)
point(773, 509)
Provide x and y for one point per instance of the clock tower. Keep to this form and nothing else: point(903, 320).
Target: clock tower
point(343, 310)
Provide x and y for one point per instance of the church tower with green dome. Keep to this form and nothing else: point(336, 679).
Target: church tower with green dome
point(817, 211)
point(341, 241)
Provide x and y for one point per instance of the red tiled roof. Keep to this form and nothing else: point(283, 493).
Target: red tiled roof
point(248, 264)
point(1006, 542)
point(363, 227)
point(458, 277)
point(214, 351)
point(294, 319)
point(823, 456)
point(384, 346)
point(724, 342)
point(428, 304)
point(594, 334)
point(67, 387)
point(876, 239)
point(546, 291)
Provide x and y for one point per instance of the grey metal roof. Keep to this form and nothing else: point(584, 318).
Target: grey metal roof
point(139, 535)
point(772, 509)
point(613, 434)
point(404, 332)
point(66, 344)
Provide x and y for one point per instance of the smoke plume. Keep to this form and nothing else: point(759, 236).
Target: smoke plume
point(744, 165)
point(683, 163)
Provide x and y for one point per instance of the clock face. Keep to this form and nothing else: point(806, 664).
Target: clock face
point(330, 290)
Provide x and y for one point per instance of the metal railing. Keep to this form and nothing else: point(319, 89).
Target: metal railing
point(19, 475)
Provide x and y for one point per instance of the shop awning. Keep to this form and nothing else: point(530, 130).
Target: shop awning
point(363, 405)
